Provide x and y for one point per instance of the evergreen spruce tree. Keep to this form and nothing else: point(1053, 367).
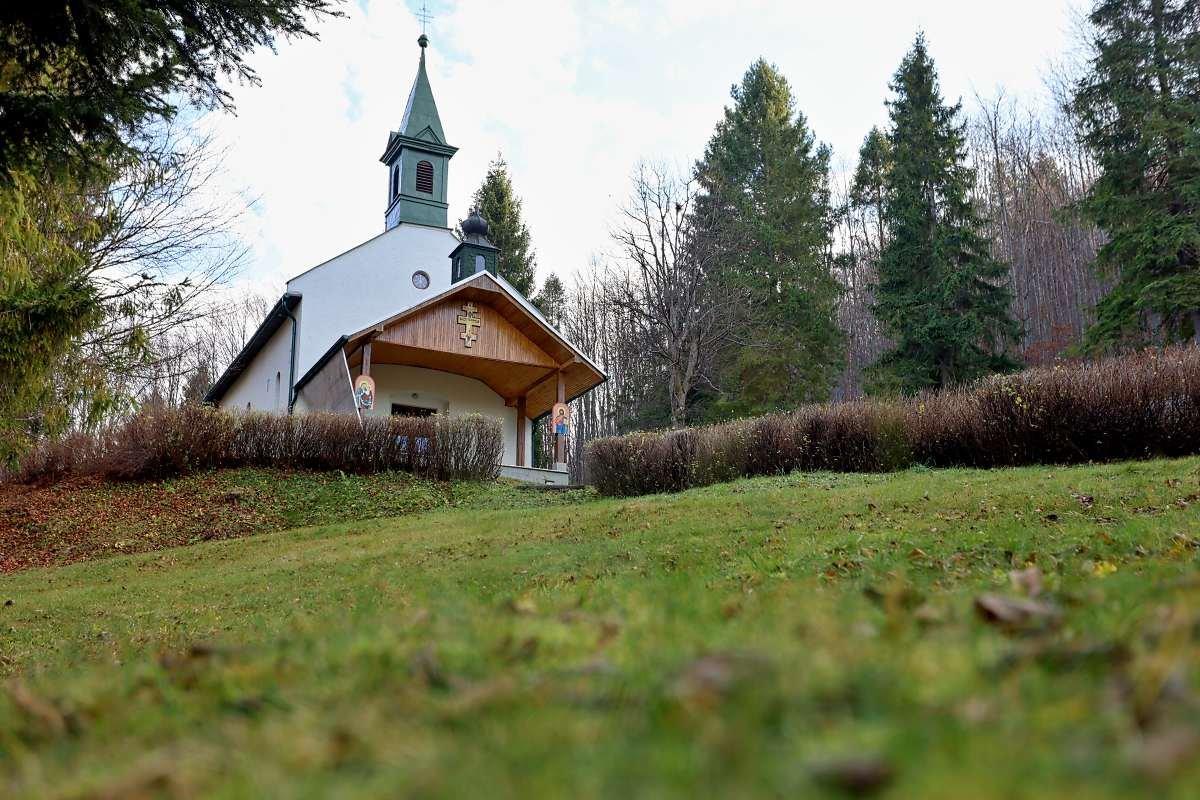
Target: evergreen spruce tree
point(941, 296)
point(766, 206)
point(552, 300)
point(501, 207)
point(1140, 112)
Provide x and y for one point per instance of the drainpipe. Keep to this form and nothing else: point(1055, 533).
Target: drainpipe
point(292, 360)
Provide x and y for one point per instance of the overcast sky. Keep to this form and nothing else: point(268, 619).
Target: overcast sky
point(574, 94)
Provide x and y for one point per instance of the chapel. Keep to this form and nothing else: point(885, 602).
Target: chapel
point(414, 321)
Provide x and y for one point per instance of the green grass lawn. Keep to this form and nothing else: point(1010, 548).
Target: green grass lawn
point(777, 637)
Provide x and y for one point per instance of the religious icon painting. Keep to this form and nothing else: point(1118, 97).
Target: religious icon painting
point(561, 414)
point(364, 392)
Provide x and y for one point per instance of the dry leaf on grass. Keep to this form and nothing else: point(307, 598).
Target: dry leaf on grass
point(859, 775)
point(1016, 613)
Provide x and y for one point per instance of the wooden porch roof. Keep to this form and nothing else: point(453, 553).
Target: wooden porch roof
point(516, 352)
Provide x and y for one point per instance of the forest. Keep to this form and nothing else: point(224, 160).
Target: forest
point(966, 237)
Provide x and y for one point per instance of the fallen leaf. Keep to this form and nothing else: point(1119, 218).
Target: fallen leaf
point(1015, 613)
point(858, 775)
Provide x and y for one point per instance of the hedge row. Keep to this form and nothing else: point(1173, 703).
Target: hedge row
point(1137, 406)
point(161, 443)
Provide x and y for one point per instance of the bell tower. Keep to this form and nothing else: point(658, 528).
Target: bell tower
point(418, 158)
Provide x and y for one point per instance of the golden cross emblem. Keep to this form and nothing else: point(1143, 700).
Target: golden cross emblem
point(470, 322)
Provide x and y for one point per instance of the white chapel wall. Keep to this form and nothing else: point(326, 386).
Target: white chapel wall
point(368, 284)
point(264, 384)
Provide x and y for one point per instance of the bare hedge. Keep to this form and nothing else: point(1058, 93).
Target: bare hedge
point(1142, 405)
point(160, 443)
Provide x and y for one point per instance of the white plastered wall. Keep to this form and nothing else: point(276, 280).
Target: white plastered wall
point(446, 393)
point(263, 386)
point(368, 284)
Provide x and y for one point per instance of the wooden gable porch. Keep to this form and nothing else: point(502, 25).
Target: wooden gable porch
point(479, 330)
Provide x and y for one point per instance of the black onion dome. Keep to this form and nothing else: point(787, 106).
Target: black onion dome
point(475, 224)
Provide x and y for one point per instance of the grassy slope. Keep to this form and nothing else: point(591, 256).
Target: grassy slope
point(730, 641)
point(89, 518)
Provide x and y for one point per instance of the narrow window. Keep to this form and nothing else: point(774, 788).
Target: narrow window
point(278, 381)
point(395, 181)
point(425, 177)
point(480, 263)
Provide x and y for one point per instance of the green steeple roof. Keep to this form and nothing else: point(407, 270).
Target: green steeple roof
point(418, 159)
point(421, 114)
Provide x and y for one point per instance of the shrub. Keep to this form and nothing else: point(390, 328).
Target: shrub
point(160, 443)
point(1136, 406)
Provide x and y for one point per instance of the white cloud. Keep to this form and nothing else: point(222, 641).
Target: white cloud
point(574, 93)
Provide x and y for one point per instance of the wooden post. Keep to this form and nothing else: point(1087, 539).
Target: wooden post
point(521, 431)
point(366, 364)
point(560, 442)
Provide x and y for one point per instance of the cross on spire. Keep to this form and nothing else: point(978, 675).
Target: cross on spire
point(424, 16)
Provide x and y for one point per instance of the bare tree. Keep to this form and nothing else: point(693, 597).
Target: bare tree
point(664, 282)
point(1032, 171)
point(190, 356)
point(165, 249)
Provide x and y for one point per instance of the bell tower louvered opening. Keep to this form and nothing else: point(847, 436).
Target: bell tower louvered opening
point(425, 177)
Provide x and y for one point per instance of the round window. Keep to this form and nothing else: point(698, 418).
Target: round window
point(421, 279)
